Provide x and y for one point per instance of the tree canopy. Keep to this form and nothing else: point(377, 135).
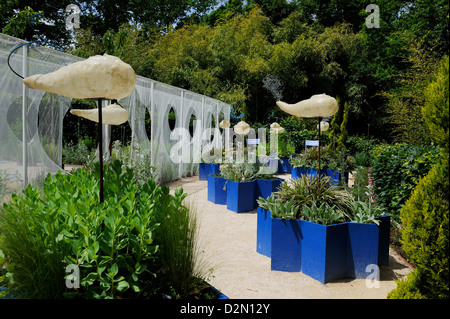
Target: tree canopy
point(226, 49)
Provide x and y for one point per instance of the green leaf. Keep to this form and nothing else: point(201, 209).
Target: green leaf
point(123, 286)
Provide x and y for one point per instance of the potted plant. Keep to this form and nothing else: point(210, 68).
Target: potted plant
point(320, 230)
point(240, 186)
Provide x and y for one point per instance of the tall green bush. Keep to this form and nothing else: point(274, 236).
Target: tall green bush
point(113, 243)
point(396, 170)
point(425, 216)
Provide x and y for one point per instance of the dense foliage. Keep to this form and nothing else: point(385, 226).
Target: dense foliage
point(140, 242)
point(225, 49)
point(425, 216)
point(396, 170)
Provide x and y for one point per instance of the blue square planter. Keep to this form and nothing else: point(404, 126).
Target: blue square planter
point(204, 169)
point(298, 172)
point(241, 196)
point(263, 232)
point(215, 169)
point(286, 245)
point(325, 253)
point(216, 192)
point(284, 167)
point(335, 175)
point(265, 187)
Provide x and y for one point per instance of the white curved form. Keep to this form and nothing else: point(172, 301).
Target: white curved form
point(319, 105)
point(100, 76)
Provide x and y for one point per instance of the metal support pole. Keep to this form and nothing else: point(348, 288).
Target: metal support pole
point(318, 171)
point(100, 147)
point(153, 122)
point(24, 117)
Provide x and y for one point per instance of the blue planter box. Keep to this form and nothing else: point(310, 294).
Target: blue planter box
point(204, 169)
point(263, 232)
point(215, 169)
point(325, 253)
point(298, 172)
point(284, 167)
point(335, 175)
point(216, 192)
point(241, 196)
point(265, 187)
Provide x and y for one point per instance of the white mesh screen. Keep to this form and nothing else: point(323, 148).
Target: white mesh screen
point(45, 115)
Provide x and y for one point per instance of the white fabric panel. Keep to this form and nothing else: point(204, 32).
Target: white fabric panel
point(46, 112)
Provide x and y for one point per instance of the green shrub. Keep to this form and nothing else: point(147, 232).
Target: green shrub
point(425, 235)
point(435, 110)
point(407, 288)
point(113, 243)
point(425, 216)
point(396, 169)
point(357, 144)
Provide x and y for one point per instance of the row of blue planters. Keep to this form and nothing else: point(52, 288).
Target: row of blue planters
point(240, 197)
point(205, 169)
point(297, 172)
point(325, 253)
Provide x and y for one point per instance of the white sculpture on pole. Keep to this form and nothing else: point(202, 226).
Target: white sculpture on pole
point(319, 106)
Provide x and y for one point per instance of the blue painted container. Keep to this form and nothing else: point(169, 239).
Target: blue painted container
point(263, 232)
point(216, 192)
point(325, 253)
point(241, 196)
point(265, 187)
point(298, 172)
point(284, 167)
point(204, 169)
point(335, 175)
point(286, 245)
point(215, 169)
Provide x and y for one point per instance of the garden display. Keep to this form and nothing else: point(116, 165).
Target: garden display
point(320, 230)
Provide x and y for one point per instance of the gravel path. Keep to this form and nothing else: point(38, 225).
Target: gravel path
point(228, 245)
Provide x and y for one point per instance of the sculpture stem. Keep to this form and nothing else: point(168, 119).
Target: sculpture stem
point(320, 120)
point(100, 147)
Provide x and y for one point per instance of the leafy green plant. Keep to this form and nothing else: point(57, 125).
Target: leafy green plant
point(322, 214)
point(241, 172)
point(307, 190)
point(278, 209)
point(362, 159)
point(286, 148)
point(396, 170)
point(112, 243)
point(364, 212)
